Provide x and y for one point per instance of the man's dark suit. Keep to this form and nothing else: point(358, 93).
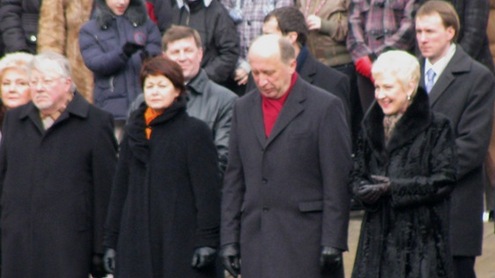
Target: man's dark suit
point(286, 195)
point(464, 92)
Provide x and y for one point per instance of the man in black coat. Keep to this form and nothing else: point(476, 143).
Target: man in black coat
point(463, 90)
point(57, 160)
point(285, 202)
point(289, 22)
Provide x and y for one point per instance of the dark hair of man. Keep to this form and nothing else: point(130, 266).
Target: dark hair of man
point(446, 12)
point(290, 19)
point(161, 65)
point(287, 51)
point(178, 32)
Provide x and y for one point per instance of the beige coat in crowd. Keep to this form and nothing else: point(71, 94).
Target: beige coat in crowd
point(60, 21)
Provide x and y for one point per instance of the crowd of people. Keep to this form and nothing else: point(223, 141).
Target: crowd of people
point(232, 138)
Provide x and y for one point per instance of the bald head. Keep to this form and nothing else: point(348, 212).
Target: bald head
point(273, 62)
point(273, 45)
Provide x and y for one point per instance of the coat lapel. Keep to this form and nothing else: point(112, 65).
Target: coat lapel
point(292, 107)
point(257, 118)
point(457, 64)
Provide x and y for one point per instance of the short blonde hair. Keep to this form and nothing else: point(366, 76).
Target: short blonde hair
point(15, 60)
point(399, 63)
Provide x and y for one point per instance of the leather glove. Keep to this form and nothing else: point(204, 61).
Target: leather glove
point(130, 48)
point(363, 66)
point(97, 268)
point(370, 193)
point(203, 256)
point(109, 260)
point(330, 259)
point(230, 254)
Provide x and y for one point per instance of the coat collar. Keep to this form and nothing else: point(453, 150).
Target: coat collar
point(138, 143)
point(416, 119)
point(198, 83)
point(78, 107)
point(136, 13)
point(458, 64)
point(293, 106)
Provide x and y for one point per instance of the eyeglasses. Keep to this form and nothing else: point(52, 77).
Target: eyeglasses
point(44, 82)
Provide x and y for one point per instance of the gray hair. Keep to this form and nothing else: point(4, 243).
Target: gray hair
point(52, 62)
point(399, 63)
point(16, 60)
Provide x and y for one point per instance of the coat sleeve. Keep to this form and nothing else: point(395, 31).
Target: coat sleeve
point(118, 195)
point(404, 37)
point(474, 128)
point(336, 24)
point(356, 43)
point(475, 19)
point(202, 165)
point(13, 33)
point(99, 61)
point(335, 162)
point(154, 42)
point(442, 161)
point(233, 189)
point(226, 41)
point(222, 130)
point(52, 32)
point(103, 168)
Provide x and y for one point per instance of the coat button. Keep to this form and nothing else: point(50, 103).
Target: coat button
point(265, 209)
point(264, 181)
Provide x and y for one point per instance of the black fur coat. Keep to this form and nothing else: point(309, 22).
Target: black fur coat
point(405, 234)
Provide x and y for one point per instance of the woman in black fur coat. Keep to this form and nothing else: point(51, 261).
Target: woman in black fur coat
point(404, 170)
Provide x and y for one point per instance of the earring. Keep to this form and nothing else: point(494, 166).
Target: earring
point(409, 97)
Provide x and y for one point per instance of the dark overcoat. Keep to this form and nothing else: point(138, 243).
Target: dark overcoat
point(464, 92)
point(55, 188)
point(286, 195)
point(405, 234)
point(166, 197)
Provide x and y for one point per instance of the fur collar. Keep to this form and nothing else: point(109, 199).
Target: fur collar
point(136, 13)
point(416, 119)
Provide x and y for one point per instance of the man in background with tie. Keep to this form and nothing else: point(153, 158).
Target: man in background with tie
point(463, 90)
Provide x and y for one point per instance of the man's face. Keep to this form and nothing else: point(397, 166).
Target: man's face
point(49, 92)
point(118, 7)
point(271, 75)
point(433, 37)
point(187, 54)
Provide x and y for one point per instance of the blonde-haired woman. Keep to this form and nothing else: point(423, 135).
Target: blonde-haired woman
point(404, 170)
point(14, 81)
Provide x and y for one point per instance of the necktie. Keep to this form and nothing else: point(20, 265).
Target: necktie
point(430, 77)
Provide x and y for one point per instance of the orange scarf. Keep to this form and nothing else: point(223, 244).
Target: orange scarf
point(150, 115)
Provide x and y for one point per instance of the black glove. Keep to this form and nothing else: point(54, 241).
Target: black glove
point(330, 259)
point(109, 260)
point(203, 256)
point(230, 254)
point(97, 268)
point(130, 48)
point(370, 193)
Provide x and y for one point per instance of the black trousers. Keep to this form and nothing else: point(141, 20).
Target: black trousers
point(464, 267)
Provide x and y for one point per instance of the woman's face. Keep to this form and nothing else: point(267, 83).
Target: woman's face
point(159, 92)
point(391, 94)
point(118, 7)
point(15, 88)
